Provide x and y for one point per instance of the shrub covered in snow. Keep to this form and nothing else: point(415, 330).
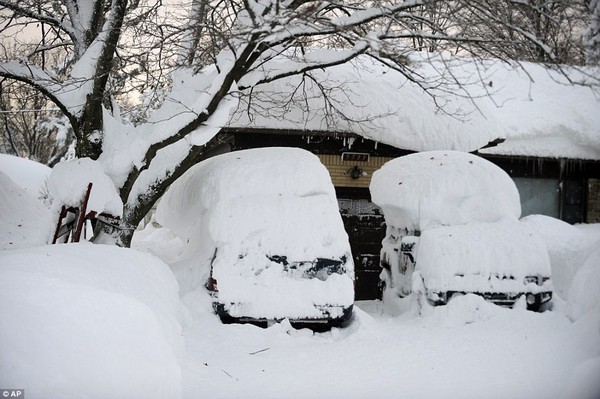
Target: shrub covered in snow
point(94, 321)
point(265, 224)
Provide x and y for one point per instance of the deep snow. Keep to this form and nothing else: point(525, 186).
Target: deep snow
point(97, 321)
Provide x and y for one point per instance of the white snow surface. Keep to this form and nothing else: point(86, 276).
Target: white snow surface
point(431, 188)
point(483, 257)
point(237, 210)
point(538, 111)
point(24, 220)
point(69, 181)
point(30, 175)
point(94, 321)
point(83, 320)
point(569, 246)
point(584, 295)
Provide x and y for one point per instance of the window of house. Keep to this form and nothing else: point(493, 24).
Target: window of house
point(539, 196)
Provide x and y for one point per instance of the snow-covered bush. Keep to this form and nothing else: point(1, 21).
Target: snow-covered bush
point(83, 320)
point(266, 225)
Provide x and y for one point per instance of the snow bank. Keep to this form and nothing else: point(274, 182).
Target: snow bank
point(426, 189)
point(253, 216)
point(584, 295)
point(583, 382)
point(89, 321)
point(483, 257)
point(69, 181)
point(24, 221)
point(30, 175)
point(568, 246)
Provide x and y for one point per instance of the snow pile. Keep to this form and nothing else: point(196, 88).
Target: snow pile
point(83, 320)
point(584, 295)
point(30, 175)
point(257, 218)
point(483, 257)
point(24, 221)
point(583, 382)
point(69, 181)
point(568, 246)
point(422, 190)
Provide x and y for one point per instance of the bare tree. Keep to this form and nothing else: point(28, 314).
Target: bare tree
point(30, 126)
point(223, 49)
point(592, 36)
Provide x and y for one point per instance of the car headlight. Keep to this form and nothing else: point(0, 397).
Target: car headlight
point(531, 279)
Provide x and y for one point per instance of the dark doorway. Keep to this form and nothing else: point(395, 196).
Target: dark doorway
point(573, 204)
point(365, 226)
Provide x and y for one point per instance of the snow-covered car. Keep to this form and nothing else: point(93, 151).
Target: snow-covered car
point(453, 228)
point(265, 236)
point(501, 261)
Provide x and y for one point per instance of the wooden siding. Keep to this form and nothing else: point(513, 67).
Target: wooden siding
point(340, 171)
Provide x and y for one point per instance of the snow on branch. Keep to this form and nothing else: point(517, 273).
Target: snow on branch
point(317, 59)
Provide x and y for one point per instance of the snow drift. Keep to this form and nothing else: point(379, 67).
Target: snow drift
point(24, 220)
point(29, 175)
point(83, 320)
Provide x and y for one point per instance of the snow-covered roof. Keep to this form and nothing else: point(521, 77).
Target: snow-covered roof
point(539, 112)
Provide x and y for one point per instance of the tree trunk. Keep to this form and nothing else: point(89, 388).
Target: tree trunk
point(119, 233)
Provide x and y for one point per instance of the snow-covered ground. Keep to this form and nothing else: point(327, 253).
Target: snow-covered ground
point(82, 320)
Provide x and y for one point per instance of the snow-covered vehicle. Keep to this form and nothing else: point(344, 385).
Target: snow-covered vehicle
point(265, 236)
point(453, 228)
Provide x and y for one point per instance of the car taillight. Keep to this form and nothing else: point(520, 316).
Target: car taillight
point(211, 284)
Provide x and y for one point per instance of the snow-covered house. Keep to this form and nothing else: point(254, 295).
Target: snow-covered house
point(536, 125)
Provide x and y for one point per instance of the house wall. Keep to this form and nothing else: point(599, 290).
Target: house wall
point(340, 170)
point(593, 201)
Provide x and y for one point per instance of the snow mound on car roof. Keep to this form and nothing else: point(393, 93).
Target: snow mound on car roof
point(426, 189)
